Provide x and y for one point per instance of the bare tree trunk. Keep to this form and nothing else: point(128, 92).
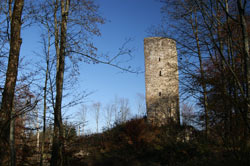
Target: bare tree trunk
point(37, 131)
point(246, 50)
point(245, 38)
point(12, 138)
point(108, 117)
point(11, 75)
point(203, 83)
point(228, 110)
point(96, 107)
point(56, 34)
point(82, 117)
point(44, 100)
point(58, 140)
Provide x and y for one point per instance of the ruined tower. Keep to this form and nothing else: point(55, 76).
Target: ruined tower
point(161, 78)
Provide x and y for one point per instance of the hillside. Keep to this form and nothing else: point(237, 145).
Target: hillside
point(136, 143)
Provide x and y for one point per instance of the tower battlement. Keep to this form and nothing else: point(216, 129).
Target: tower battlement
point(161, 79)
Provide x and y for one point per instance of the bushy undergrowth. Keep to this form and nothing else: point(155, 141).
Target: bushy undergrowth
point(137, 143)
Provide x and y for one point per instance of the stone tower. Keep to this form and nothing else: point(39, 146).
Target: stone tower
point(161, 78)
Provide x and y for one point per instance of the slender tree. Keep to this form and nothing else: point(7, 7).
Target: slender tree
point(124, 110)
point(242, 10)
point(57, 148)
point(96, 107)
point(141, 105)
point(47, 52)
point(109, 111)
point(82, 114)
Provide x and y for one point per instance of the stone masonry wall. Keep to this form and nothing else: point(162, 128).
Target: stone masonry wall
point(161, 78)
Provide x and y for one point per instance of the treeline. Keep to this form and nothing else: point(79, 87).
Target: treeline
point(105, 116)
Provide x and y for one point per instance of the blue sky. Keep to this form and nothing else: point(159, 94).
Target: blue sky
point(125, 19)
point(128, 18)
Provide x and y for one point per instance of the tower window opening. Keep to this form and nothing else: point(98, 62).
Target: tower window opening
point(170, 111)
point(159, 59)
point(160, 73)
point(159, 93)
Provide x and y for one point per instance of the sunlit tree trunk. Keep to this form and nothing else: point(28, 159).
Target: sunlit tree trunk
point(58, 138)
point(11, 75)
